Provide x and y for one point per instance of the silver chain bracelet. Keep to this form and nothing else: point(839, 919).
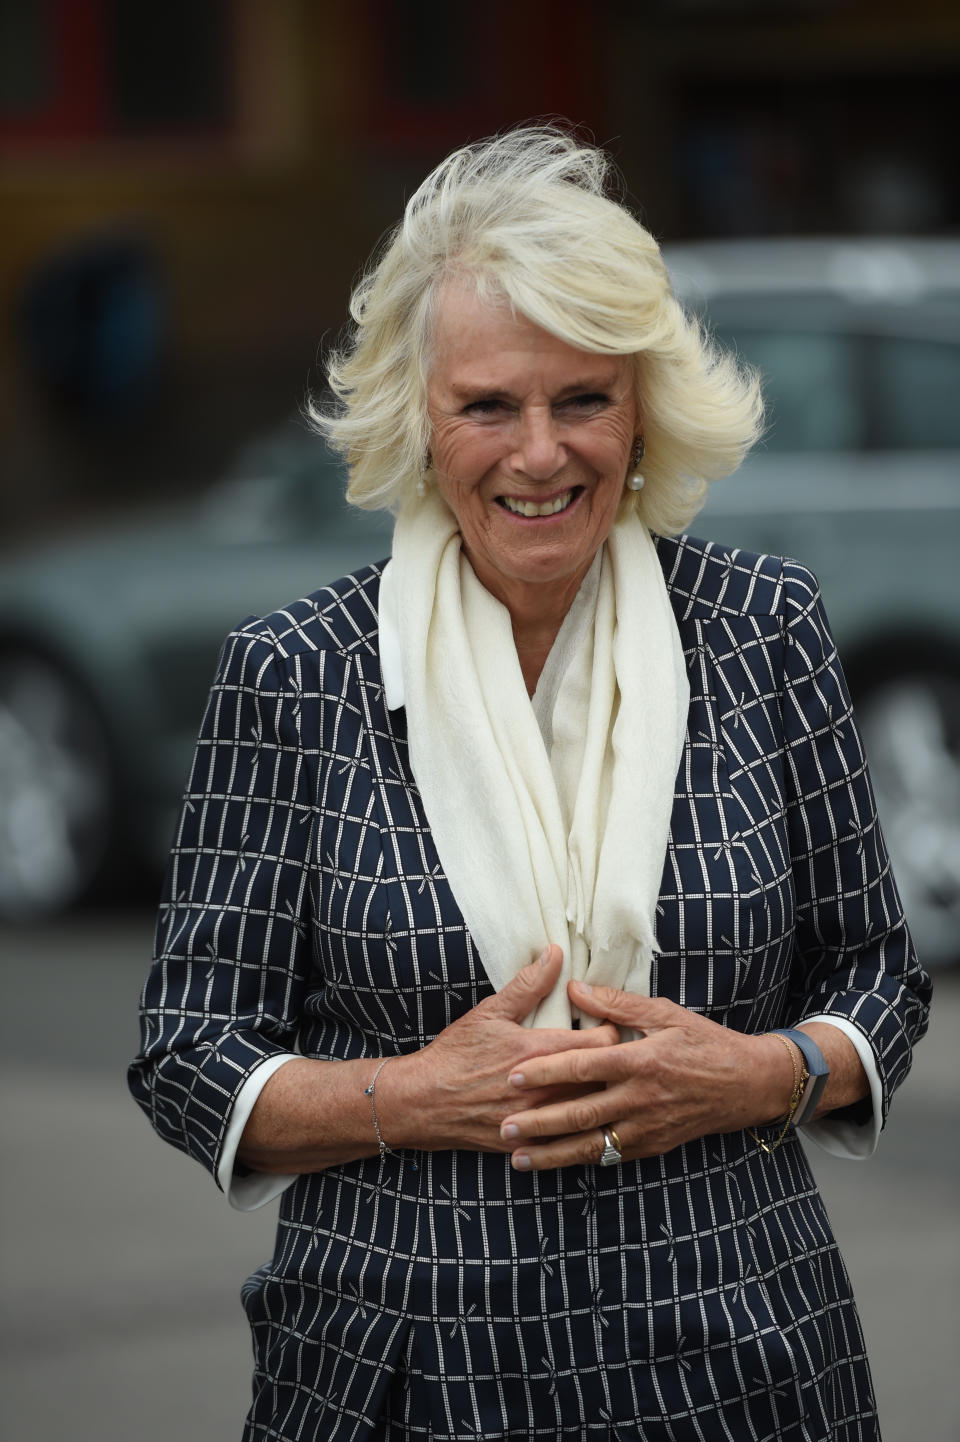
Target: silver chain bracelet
point(369, 1092)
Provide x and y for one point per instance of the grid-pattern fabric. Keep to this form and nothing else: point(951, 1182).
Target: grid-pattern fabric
point(691, 1297)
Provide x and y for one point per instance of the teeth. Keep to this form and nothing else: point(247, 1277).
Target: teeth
point(527, 508)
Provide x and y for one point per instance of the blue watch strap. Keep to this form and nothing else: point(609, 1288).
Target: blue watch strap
point(817, 1069)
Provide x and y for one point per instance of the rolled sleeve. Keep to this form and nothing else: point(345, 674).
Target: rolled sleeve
point(246, 1191)
point(854, 960)
point(232, 955)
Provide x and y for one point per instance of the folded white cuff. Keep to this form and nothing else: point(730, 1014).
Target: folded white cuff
point(254, 1189)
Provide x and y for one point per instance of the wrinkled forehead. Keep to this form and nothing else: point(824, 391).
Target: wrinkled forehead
point(481, 341)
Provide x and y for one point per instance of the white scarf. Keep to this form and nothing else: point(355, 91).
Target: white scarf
point(550, 832)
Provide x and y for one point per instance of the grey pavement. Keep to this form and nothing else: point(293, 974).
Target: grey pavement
point(121, 1263)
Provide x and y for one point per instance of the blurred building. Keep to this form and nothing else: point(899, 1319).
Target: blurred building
point(189, 189)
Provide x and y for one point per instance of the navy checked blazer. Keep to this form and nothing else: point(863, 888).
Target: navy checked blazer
point(689, 1297)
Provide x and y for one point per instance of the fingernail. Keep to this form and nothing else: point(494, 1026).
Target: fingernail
point(517, 1079)
point(509, 1132)
point(542, 958)
point(521, 1162)
point(585, 986)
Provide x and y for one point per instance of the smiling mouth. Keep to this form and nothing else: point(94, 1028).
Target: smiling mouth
point(530, 509)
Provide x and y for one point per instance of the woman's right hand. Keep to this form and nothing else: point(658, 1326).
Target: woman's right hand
point(454, 1093)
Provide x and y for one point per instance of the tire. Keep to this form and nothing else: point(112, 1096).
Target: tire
point(911, 729)
point(56, 788)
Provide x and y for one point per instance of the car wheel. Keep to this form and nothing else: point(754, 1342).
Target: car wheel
point(56, 788)
point(911, 730)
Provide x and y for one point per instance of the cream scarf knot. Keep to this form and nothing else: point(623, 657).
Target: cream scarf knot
point(550, 819)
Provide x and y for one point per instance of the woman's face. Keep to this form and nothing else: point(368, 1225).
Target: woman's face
point(531, 440)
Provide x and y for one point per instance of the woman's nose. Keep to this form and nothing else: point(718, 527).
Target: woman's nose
point(539, 451)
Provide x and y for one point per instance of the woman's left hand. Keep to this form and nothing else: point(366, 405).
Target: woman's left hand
point(685, 1077)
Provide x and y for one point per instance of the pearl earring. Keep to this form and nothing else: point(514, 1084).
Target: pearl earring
point(636, 481)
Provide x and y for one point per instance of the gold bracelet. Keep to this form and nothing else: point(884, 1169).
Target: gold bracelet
point(800, 1078)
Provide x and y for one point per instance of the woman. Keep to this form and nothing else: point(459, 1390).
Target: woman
point(537, 845)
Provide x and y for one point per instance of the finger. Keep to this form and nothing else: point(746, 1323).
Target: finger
point(540, 1098)
point(647, 1013)
point(577, 1067)
point(548, 1040)
point(583, 1114)
point(579, 1149)
point(525, 990)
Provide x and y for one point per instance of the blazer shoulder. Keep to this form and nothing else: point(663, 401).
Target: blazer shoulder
point(339, 617)
point(707, 580)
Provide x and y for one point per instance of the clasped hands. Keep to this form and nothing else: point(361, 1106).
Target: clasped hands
point(684, 1077)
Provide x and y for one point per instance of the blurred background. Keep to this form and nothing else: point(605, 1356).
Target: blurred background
point(187, 193)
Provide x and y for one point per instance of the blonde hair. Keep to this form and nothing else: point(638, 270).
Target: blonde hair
point(529, 215)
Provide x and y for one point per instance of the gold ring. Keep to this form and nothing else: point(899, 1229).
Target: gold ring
point(615, 1139)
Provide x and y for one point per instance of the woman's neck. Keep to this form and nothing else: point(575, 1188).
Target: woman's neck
point(536, 615)
point(537, 611)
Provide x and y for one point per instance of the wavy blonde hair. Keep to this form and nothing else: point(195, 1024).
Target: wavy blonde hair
point(530, 215)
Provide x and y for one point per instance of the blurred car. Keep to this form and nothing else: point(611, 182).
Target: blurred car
point(858, 477)
point(107, 646)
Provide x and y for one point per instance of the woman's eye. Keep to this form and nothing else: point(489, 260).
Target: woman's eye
point(486, 406)
point(589, 401)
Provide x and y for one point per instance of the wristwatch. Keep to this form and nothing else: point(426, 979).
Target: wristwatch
point(817, 1073)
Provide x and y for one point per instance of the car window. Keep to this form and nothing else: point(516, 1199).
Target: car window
point(811, 387)
point(915, 393)
point(834, 382)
